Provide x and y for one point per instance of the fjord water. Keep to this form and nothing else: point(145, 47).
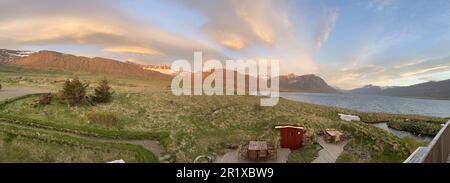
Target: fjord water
point(373, 103)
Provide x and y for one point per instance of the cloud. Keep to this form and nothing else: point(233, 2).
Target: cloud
point(242, 23)
point(133, 50)
point(381, 5)
point(229, 40)
point(414, 70)
point(51, 29)
point(382, 43)
point(112, 29)
point(424, 71)
point(414, 62)
point(241, 29)
point(326, 28)
point(347, 76)
point(258, 18)
point(254, 30)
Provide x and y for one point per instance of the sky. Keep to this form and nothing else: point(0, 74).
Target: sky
point(349, 43)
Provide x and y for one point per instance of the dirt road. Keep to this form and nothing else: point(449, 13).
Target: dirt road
point(13, 92)
point(330, 152)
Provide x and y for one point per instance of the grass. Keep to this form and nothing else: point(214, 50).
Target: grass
point(189, 126)
point(26, 145)
point(58, 116)
point(102, 118)
point(385, 117)
point(197, 125)
point(306, 154)
point(370, 144)
point(419, 128)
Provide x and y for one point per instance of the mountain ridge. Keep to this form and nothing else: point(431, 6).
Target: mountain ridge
point(429, 90)
point(97, 65)
point(305, 83)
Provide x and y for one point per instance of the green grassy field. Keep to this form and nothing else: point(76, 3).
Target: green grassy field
point(26, 145)
point(189, 126)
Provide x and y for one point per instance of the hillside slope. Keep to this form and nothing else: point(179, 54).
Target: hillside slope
point(60, 61)
point(305, 83)
point(431, 90)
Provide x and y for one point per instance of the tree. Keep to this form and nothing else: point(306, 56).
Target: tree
point(102, 93)
point(0, 86)
point(73, 92)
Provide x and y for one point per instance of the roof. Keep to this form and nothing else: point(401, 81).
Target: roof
point(289, 126)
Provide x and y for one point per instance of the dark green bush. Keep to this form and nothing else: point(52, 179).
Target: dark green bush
point(73, 92)
point(44, 99)
point(422, 128)
point(102, 93)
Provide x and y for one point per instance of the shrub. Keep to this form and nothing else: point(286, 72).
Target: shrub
point(102, 93)
point(103, 118)
point(73, 92)
point(0, 86)
point(9, 137)
point(307, 154)
point(43, 100)
point(421, 128)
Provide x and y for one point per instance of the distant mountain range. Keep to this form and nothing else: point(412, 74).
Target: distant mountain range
point(305, 83)
point(60, 61)
point(368, 90)
point(293, 83)
point(431, 90)
point(12, 55)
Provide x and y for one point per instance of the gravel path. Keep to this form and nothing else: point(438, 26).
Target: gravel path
point(232, 157)
point(13, 92)
point(330, 152)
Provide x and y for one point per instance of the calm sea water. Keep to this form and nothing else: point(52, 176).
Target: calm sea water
point(373, 103)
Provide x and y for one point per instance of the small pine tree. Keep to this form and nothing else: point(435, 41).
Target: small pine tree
point(73, 92)
point(102, 93)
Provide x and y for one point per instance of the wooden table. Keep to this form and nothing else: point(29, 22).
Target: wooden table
point(257, 150)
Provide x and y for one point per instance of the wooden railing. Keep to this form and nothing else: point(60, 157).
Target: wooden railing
point(437, 151)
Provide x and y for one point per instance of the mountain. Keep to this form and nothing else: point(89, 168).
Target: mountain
point(431, 90)
point(368, 89)
point(61, 61)
point(12, 55)
point(305, 83)
point(163, 69)
point(160, 68)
